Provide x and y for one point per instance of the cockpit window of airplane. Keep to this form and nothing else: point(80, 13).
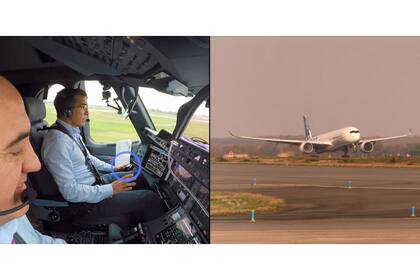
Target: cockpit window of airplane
point(354, 131)
point(162, 109)
point(103, 117)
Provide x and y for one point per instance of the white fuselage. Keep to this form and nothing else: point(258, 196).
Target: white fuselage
point(339, 138)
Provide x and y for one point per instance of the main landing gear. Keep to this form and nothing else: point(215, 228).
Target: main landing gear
point(353, 148)
point(346, 152)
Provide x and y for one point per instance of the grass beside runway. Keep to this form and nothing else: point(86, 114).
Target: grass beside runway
point(108, 127)
point(390, 161)
point(237, 203)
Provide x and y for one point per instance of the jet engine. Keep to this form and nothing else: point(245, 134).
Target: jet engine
point(306, 147)
point(366, 147)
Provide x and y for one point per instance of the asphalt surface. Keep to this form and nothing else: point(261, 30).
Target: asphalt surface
point(320, 205)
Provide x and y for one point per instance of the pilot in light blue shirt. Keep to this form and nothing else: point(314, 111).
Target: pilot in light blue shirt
point(66, 163)
point(23, 227)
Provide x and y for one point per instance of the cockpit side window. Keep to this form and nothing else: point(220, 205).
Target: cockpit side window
point(106, 126)
point(162, 107)
point(199, 125)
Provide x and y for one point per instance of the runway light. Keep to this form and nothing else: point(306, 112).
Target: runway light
point(254, 181)
point(349, 184)
point(413, 211)
point(252, 216)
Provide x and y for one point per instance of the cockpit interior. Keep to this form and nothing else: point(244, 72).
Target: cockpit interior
point(173, 163)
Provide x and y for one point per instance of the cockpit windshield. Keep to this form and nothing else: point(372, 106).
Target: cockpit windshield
point(163, 109)
point(354, 131)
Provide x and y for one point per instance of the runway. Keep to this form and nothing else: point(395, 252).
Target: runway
point(320, 206)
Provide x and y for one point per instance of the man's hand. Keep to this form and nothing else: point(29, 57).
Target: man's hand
point(126, 167)
point(120, 186)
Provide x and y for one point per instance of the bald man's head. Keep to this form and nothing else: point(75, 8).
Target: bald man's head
point(17, 157)
point(8, 94)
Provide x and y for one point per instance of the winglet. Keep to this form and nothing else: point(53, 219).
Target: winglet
point(410, 132)
point(232, 134)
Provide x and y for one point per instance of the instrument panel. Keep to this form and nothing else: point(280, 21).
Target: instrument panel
point(190, 181)
point(182, 173)
point(155, 161)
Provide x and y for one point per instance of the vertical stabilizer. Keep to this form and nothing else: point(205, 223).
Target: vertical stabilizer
point(308, 133)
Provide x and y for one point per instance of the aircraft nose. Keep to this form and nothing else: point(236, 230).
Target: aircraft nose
point(356, 137)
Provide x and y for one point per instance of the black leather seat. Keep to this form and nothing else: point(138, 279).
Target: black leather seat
point(50, 206)
point(41, 181)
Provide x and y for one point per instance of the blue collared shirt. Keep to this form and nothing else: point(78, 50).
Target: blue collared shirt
point(23, 227)
point(67, 164)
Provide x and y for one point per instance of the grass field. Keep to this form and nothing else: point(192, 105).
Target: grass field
point(106, 126)
point(237, 203)
point(390, 161)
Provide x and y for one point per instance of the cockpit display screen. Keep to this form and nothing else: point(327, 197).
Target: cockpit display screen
point(156, 161)
point(201, 219)
point(182, 174)
point(201, 193)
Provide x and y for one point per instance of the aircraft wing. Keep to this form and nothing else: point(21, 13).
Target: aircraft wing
point(284, 141)
point(385, 138)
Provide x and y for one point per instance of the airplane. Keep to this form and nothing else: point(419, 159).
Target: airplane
point(341, 139)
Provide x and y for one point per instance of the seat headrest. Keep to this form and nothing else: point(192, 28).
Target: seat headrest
point(35, 109)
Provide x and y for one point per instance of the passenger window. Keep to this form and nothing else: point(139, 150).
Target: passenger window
point(106, 126)
point(199, 124)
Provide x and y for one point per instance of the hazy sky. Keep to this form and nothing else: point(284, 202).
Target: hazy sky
point(263, 85)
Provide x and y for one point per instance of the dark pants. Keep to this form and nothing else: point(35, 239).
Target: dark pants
point(124, 209)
